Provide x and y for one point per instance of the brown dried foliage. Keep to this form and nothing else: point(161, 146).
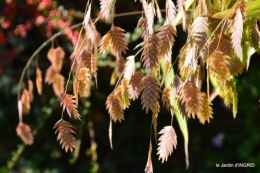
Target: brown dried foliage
point(236, 67)
point(150, 55)
point(129, 69)
point(219, 65)
point(145, 6)
point(76, 90)
point(84, 89)
point(236, 27)
point(166, 97)
point(134, 87)
point(58, 85)
point(195, 102)
point(91, 32)
point(255, 38)
point(158, 12)
point(142, 24)
point(213, 26)
point(83, 81)
point(115, 108)
point(68, 102)
point(149, 164)
point(25, 99)
point(89, 61)
point(105, 42)
point(20, 109)
point(225, 56)
point(122, 94)
point(166, 39)
point(177, 84)
point(56, 56)
point(156, 111)
point(119, 68)
point(167, 70)
point(84, 75)
point(50, 75)
point(105, 7)
point(116, 38)
point(89, 27)
point(171, 13)
point(30, 88)
point(150, 17)
point(168, 141)
point(151, 90)
point(230, 95)
point(236, 33)
point(184, 71)
point(188, 61)
point(66, 131)
point(24, 132)
point(120, 65)
point(241, 4)
point(181, 9)
point(199, 28)
point(224, 67)
point(220, 43)
point(180, 4)
point(198, 11)
point(39, 81)
point(118, 41)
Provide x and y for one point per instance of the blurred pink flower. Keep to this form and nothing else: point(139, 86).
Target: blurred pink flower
point(40, 20)
point(21, 30)
point(45, 4)
point(32, 2)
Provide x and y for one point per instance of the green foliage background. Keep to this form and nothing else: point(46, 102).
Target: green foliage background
point(241, 137)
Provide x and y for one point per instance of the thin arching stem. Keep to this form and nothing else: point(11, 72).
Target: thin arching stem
point(57, 35)
point(51, 40)
point(73, 63)
point(133, 13)
point(208, 90)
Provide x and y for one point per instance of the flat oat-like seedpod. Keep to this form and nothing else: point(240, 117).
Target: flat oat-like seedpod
point(196, 102)
point(65, 134)
point(151, 90)
point(168, 141)
point(25, 133)
point(115, 108)
point(68, 102)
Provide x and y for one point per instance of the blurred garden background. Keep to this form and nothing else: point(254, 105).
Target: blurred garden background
point(25, 25)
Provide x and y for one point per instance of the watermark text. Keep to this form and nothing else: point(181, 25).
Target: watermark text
point(235, 165)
